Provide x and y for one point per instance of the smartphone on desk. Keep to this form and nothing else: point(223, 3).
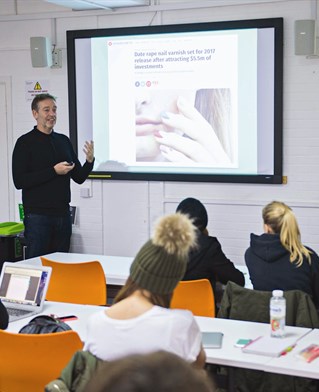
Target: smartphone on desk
point(68, 318)
point(212, 339)
point(242, 342)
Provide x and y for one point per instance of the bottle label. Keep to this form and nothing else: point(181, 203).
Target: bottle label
point(277, 319)
point(277, 311)
point(277, 324)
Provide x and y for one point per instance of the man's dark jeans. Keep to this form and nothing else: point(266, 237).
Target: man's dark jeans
point(47, 234)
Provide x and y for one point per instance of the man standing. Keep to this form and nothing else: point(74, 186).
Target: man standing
point(43, 164)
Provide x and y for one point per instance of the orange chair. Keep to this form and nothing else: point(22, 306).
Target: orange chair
point(29, 362)
point(196, 296)
point(78, 283)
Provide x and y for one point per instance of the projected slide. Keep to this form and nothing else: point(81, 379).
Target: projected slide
point(169, 111)
point(185, 102)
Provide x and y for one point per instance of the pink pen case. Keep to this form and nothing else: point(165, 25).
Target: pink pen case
point(309, 353)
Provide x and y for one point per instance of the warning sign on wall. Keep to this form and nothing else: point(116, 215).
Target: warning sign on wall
point(35, 87)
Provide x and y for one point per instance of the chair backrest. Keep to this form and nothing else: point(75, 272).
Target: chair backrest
point(78, 283)
point(196, 296)
point(240, 303)
point(29, 362)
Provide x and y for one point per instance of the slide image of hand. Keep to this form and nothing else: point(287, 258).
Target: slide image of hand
point(149, 105)
point(193, 139)
point(184, 126)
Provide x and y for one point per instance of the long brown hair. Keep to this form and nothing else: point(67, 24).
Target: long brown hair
point(280, 218)
point(130, 287)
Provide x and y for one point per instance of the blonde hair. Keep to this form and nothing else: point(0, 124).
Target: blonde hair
point(281, 219)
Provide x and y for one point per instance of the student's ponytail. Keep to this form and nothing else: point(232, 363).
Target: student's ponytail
point(281, 219)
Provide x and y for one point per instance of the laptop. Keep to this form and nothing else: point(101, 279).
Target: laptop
point(23, 289)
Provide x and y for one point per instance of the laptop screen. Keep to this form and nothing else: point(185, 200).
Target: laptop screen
point(23, 285)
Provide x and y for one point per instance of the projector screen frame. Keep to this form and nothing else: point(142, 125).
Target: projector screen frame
point(276, 23)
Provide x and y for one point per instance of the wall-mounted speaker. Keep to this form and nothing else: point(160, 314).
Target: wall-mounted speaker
point(305, 37)
point(41, 51)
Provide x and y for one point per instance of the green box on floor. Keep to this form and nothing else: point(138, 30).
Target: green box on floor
point(11, 242)
point(11, 228)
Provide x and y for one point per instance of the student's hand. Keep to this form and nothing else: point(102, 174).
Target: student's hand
point(200, 361)
point(88, 150)
point(63, 168)
point(193, 139)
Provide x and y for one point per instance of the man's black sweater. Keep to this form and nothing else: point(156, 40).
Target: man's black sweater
point(43, 190)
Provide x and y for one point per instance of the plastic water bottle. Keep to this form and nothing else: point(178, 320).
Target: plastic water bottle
point(277, 314)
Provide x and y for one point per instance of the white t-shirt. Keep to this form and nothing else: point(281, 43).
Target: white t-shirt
point(172, 330)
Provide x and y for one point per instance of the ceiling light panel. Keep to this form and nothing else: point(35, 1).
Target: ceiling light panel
point(81, 5)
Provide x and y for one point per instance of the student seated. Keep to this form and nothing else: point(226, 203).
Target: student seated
point(158, 372)
point(140, 320)
point(4, 317)
point(207, 260)
point(277, 259)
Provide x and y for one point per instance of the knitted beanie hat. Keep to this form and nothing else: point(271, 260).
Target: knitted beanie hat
point(161, 263)
point(195, 210)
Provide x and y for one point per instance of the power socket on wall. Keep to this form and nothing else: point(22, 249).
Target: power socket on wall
point(85, 192)
point(56, 58)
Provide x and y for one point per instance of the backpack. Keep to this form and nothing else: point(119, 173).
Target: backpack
point(44, 324)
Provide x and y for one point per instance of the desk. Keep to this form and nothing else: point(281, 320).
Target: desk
point(244, 270)
point(228, 355)
point(233, 357)
point(83, 312)
point(290, 365)
point(116, 268)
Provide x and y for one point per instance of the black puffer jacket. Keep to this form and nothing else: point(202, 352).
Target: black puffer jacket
point(4, 317)
point(208, 261)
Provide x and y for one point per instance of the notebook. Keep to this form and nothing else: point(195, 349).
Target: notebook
point(23, 288)
point(269, 346)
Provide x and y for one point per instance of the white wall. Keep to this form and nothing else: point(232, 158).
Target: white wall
point(118, 218)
